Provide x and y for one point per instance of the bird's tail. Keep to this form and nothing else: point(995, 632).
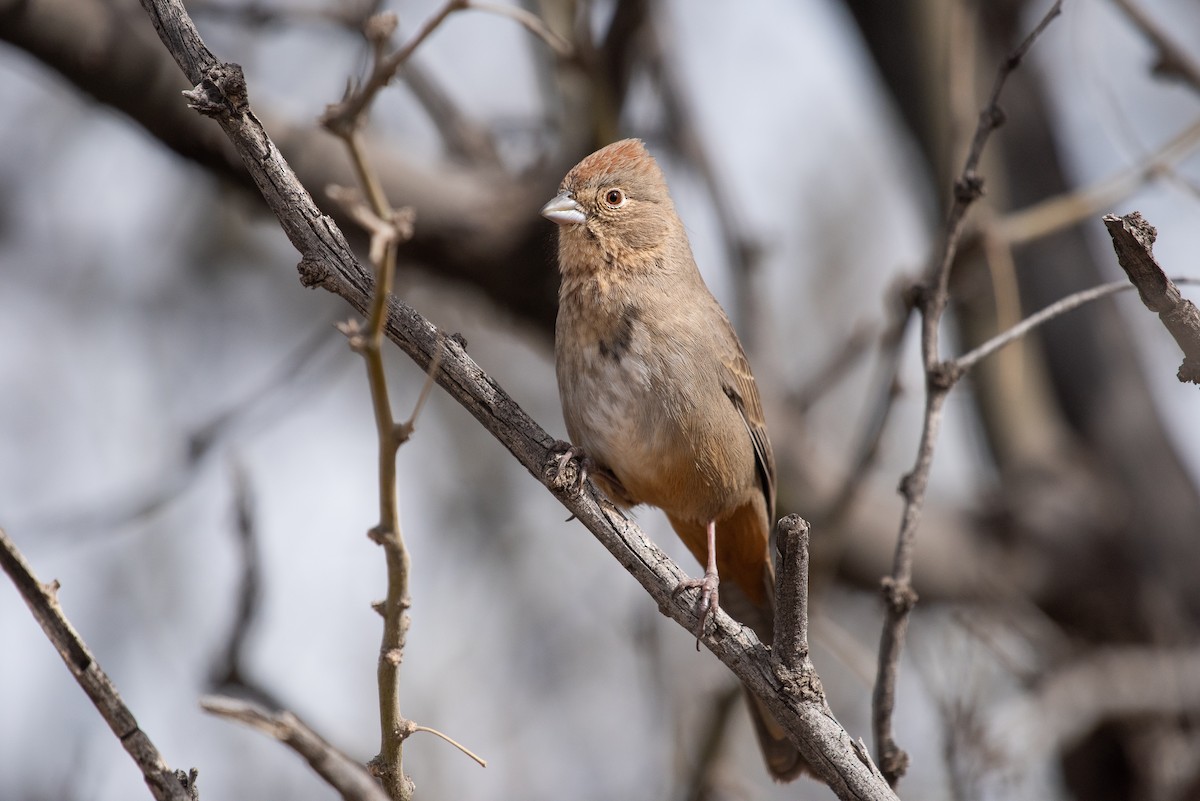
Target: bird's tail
point(783, 759)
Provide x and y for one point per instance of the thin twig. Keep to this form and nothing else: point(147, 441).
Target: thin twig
point(482, 762)
point(405, 430)
point(388, 228)
point(346, 775)
point(42, 600)
point(1060, 307)
point(1056, 309)
point(341, 117)
point(388, 764)
point(899, 596)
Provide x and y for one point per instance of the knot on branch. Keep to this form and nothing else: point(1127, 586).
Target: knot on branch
point(313, 273)
point(382, 535)
point(378, 29)
point(802, 683)
point(899, 596)
point(968, 188)
point(388, 773)
point(893, 763)
point(222, 92)
point(943, 376)
point(993, 117)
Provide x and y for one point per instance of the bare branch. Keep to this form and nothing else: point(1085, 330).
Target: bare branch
point(340, 118)
point(405, 430)
point(348, 777)
point(42, 600)
point(388, 230)
point(1133, 240)
point(1057, 309)
point(899, 596)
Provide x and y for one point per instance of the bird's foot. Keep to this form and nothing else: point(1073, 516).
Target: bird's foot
point(569, 457)
point(707, 605)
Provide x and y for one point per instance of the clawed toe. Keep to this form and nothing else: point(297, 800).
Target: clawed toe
point(566, 454)
point(707, 604)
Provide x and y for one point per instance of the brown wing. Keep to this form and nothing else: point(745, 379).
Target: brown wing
point(739, 385)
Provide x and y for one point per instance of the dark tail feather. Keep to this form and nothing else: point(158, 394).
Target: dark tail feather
point(782, 757)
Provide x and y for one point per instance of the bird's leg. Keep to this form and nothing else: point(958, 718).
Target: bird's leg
point(708, 604)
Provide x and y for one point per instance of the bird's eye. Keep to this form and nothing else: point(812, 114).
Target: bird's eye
point(614, 197)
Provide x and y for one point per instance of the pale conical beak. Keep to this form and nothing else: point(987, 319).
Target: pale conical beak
point(564, 210)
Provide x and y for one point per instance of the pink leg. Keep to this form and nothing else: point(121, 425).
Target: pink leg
point(708, 603)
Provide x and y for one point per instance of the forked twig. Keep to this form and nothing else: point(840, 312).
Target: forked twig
point(932, 298)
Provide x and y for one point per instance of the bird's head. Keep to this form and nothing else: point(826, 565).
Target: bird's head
point(614, 206)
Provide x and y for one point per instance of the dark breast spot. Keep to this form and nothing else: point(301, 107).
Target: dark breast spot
point(617, 344)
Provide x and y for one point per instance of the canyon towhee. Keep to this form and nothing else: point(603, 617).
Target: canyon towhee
point(657, 394)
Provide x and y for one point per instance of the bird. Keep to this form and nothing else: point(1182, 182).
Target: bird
point(657, 395)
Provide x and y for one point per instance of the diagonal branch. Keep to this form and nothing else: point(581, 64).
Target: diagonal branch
point(326, 261)
point(42, 600)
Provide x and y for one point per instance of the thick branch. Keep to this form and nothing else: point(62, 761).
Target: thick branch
point(42, 600)
point(1133, 240)
point(327, 262)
